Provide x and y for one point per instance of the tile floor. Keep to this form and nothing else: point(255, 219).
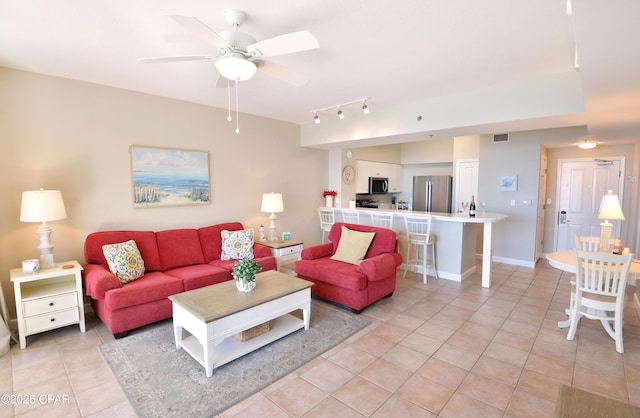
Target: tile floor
point(444, 349)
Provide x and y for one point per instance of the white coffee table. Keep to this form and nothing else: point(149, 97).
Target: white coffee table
point(205, 320)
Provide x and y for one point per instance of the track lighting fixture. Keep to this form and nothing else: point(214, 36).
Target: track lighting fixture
point(341, 115)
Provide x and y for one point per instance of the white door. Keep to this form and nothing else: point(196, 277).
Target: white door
point(466, 183)
point(581, 186)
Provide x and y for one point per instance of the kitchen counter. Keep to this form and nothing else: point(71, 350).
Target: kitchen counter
point(455, 239)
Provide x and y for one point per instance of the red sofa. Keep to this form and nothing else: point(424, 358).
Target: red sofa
point(175, 261)
point(350, 285)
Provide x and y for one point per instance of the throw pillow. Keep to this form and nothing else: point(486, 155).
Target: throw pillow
point(125, 261)
point(237, 245)
point(353, 246)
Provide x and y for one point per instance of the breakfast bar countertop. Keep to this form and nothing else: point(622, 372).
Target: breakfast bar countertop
point(452, 228)
point(440, 216)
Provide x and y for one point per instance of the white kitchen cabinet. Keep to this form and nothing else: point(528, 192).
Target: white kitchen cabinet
point(396, 178)
point(368, 169)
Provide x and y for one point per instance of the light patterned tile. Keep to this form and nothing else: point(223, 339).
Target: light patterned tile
point(443, 349)
point(486, 390)
point(362, 395)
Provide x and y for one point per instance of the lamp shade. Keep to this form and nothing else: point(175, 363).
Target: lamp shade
point(610, 207)
point(272, 202)
point(42, 206)
point(236, 67)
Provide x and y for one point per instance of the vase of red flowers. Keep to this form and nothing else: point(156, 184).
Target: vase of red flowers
point(329, 196)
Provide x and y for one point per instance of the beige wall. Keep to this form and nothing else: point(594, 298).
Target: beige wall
point(61, 134)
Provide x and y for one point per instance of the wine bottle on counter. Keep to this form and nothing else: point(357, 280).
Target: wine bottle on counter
point(472, 206)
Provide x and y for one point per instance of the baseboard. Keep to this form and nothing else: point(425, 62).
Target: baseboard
point(636, 303)
point(514, 262)
point(444, 274)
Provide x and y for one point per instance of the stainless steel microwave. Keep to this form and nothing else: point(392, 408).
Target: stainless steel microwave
point(378, 185)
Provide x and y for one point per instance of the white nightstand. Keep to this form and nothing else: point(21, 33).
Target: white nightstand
point(285, 252)
point(48, 299)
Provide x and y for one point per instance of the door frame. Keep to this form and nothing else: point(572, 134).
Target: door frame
point(559, 186)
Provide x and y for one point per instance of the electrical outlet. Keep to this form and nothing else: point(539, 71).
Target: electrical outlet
point(526, 202)
point(548, 201)
point(513, 202)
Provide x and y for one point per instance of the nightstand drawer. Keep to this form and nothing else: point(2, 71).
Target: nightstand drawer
point(294, 249)
point(52, 320)
point(49, 304)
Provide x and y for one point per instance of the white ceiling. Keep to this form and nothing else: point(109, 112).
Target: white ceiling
point(426, 49)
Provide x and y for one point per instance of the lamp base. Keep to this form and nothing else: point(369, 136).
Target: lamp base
point(273, 234)
point(605, 237)
point(45, 247)
point(46, 261)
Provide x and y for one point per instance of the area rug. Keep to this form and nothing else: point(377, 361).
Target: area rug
point(161, 381)
point(578, 403)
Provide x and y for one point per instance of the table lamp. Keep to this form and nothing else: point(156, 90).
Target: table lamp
point(272, 202)
point(609, 209)
point(42, 206)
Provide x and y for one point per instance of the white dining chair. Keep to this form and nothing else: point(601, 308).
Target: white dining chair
point(601, 281)
point(586, 243)
point(327, 219)
point(351, 216)
point(420, 239)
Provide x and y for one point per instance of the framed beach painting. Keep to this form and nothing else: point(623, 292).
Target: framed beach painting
point(168, 177)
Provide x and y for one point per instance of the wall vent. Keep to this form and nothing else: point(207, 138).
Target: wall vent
point(500, 138)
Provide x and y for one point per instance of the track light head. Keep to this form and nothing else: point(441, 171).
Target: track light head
point(316, 119)
point(365, 108)
point(340, 113)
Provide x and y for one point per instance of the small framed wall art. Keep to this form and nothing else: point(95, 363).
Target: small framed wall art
point(509, 183)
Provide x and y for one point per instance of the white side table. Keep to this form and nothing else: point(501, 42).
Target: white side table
point(48, 299)
point(285, 252)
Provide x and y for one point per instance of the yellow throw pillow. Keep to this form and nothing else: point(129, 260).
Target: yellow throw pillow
point(353, 246)
point(125, 261)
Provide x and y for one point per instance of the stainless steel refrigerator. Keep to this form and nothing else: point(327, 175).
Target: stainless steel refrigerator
point(432, 193)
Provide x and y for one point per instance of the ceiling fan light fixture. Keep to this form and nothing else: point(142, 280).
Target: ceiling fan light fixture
point(236, 67)
point(340, 113)
point(587, 144)
point(316, 119)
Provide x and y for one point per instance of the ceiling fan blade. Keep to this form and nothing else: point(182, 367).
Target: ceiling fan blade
point(153, 60)
point(283, 74)
point(285, 44)
point(201, 29)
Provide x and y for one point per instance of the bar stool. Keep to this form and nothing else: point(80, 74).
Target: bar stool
point(419, 236)
point(351, 216)
point(327, 218)
point(382, 220)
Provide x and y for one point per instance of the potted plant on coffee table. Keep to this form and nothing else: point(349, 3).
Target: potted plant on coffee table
point(244, 272)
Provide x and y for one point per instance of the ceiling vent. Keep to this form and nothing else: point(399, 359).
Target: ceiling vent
point(500, 138)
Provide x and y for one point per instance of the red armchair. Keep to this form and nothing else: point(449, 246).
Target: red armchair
point(355, 286)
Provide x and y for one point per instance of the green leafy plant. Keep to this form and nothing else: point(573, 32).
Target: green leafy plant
point(245, 270)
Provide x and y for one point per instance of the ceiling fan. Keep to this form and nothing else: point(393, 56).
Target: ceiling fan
point(240, 55)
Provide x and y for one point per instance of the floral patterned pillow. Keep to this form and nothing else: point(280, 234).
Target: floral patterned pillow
point(125, 261)
point(237, 245)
